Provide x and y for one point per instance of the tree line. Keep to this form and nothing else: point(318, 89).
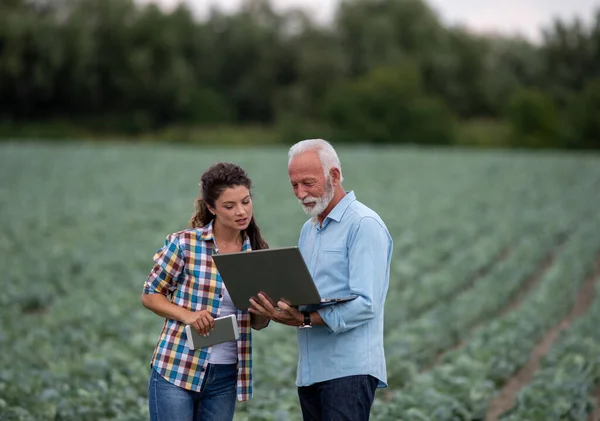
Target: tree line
point(384, 71)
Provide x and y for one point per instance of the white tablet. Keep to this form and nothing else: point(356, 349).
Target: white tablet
point(225, 330)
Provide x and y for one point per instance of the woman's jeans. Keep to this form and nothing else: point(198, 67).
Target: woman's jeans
point(215, 402)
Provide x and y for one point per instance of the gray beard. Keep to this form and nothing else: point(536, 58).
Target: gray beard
point(321, 202)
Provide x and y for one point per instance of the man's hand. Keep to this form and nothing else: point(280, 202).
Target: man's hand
point(258, 322)
point(282, 313)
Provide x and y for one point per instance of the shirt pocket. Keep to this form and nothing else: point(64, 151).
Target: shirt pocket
point(334, 262)
point(341, 251)
point(335, 258)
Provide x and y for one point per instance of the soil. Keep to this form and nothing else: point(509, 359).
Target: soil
point(516, 302)
point(595, 416)
point(506, 399)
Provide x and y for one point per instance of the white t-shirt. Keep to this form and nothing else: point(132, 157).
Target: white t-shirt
point(226, 352)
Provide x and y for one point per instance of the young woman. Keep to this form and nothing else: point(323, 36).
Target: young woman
point(185, 288)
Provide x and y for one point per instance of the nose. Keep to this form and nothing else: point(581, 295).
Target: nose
point(300, 192)
point(239, 210)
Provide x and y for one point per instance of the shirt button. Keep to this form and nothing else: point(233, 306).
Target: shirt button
point(220, 295)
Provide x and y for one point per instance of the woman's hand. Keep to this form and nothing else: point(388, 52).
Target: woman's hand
point(201, 320)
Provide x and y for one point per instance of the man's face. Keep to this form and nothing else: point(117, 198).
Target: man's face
point(313, 190)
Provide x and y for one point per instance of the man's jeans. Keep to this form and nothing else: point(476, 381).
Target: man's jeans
point(344, 399)
point(216, 401)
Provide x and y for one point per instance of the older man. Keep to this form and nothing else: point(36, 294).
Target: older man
point(347, 248)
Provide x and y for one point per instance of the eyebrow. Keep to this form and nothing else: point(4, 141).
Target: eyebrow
point(233, 201)
point(306, 180)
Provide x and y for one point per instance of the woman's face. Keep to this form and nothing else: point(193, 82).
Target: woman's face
point(233, 208)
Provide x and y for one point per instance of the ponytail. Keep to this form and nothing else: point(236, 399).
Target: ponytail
point(201, 216)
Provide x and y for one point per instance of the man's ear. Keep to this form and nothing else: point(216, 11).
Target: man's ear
point(334, 174)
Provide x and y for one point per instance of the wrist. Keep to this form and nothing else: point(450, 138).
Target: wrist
point(185, 316)
point(259, 322)
point(300, 319)
point(306, 320)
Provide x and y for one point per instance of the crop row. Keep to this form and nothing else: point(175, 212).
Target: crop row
point(503, 242)
point(463, 385)
point(416, 343)
point(563, 387)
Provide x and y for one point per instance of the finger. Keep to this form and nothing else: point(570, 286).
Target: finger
point(266, 302)
point(284, 306)
point(287, 311)
point(203, 325)
point(264, 297)
point(257, 308)
point(210, 321)
point(261, 310)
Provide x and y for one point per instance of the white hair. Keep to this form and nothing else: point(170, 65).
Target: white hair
point(327, 155)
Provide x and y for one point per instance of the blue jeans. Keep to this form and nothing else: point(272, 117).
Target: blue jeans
point(345, 399)
point(215, 402)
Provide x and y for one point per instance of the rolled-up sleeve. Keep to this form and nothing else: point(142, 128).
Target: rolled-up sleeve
point(167, 270)
point(368, 256)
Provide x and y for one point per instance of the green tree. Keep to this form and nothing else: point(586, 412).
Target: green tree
point(388, 105)
point(30, 57)
point(534, 119)
point(509, 64)
point(571, 57)
point(374, 33)
point(456, 72)
point(252, 59)
point(584, 118)
point(381, 69)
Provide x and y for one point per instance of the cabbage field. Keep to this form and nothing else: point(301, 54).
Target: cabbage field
point(490, 312)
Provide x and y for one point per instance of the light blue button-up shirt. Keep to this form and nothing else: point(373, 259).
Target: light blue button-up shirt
point(349, 254)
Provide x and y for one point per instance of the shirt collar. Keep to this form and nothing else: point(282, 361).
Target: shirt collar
point(207, 234)
point(338, 211)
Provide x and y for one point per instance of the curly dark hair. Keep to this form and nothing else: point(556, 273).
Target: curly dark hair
point(218, 177)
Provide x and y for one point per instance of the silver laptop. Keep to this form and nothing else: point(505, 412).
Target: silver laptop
point(280, 273)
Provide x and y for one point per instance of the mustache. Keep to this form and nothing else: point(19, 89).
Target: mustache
point(309, 199)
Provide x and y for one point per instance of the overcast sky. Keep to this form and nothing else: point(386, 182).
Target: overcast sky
point(505, 16)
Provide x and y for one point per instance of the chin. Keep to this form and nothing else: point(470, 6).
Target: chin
point(312, 212)
point(308, 210)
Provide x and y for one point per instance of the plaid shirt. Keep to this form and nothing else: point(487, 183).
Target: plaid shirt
point(184, 270)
